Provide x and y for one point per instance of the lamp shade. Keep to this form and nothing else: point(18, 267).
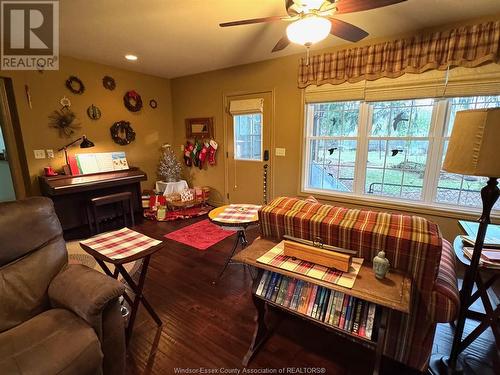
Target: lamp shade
point(474, 145)
point(86, 143)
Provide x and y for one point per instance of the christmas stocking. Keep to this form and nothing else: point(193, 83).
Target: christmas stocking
point(211, 152)
point(195, 152)
point(203, 154)
point(187, 154)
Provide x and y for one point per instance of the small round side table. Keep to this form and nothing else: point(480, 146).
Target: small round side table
point(235, 218)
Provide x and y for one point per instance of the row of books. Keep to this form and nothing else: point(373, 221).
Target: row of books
point(328, 306)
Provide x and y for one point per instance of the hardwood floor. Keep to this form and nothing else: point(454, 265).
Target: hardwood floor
point(211, 326)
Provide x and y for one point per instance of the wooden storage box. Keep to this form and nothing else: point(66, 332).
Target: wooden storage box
point(327, 258)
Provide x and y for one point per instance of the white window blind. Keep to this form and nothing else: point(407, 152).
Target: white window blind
point(246, 106)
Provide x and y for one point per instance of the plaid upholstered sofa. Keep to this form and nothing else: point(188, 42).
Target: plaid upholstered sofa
point(411, 243)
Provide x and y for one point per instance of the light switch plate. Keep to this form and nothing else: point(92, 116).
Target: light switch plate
point(50, 153)
point(280, 151)
point(39, 154)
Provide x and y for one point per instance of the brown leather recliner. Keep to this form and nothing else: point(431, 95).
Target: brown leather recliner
point(54, 318)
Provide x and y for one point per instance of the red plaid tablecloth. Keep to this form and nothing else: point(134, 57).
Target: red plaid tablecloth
point(238, 213)
point(120, 243)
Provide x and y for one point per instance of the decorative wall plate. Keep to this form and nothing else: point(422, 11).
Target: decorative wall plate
point(153, 104)
point(132, 101)
point(75, 85)
point(122, 132)
point(94, 112)
point(109, 83)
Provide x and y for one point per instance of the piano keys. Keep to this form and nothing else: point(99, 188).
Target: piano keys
point(71, 194)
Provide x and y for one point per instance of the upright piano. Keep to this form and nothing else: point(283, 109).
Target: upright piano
point(71, 195)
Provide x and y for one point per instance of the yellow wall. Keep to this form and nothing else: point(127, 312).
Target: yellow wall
point(152, 126)
point(202, 95)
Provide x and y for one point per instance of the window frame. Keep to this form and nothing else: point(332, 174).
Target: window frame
point(437, 135)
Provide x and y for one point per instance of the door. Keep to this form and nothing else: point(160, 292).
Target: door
point(249, 124)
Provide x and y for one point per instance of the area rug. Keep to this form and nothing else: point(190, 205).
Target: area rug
point(200, 235)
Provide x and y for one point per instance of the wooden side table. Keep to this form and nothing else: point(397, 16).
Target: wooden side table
point(392, 293)
point(235, 217)
point(491, 317)
point(120, 247)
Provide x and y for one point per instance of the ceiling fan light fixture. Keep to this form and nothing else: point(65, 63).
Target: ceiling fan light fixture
point(308, 30)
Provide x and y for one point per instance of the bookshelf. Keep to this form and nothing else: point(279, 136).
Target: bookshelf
point(392, 293)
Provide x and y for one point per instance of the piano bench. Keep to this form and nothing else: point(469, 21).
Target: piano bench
point(127, 208)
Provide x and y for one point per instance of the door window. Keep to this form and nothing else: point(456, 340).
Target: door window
point(248, 136)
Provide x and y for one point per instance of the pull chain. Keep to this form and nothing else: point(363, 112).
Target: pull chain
point(265, 184)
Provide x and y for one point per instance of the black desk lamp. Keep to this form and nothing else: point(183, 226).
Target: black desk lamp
point(472, 150)
point(86, 143)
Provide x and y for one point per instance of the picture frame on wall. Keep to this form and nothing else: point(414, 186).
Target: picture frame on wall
point(202, 127)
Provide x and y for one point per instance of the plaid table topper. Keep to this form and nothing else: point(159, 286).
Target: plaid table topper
point(276, 258)
point(120, 243)
point(238, 213)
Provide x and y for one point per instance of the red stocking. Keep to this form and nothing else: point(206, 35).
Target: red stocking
point(187, 154)
point(203, 155)
point(211, 152)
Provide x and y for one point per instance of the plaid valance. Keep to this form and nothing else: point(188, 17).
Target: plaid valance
point(466, 46)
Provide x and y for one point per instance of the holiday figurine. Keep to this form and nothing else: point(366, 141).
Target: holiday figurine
point(169, 167)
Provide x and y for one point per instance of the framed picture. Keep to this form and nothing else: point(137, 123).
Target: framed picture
point(202, 127)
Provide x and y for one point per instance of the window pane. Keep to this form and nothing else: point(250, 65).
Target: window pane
point(248, 137)
point(331, 164)
point(334, 119)
point(455, 189)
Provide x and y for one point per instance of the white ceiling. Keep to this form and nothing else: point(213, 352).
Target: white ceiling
point(180, 37)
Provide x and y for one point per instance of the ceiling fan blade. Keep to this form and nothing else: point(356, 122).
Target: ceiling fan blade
point(347, 30)
point(349, 6)
point(290, 9)
point(282, 44)
point(253, 20)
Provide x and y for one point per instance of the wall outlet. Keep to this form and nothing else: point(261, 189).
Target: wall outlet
point(50, 153)
point(39, 154)
point(280, 151)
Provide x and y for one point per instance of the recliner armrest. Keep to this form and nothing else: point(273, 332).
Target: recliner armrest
point(84, 291)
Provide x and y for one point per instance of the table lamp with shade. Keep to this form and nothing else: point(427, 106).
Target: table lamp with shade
point(86, 143)
point(472, 150)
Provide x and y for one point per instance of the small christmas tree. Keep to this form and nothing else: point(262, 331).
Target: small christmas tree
point(169, 167)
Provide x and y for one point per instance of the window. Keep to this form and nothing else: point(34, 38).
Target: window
point(248, 136)
point(389, 149)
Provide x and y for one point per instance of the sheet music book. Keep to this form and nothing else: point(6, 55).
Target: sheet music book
point(101, 162)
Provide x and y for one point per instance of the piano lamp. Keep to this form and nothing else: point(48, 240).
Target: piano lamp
point(86, 143)
point(472, 150)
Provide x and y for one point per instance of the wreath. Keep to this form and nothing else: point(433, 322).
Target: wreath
point(75, 85)
point(153, 103)
point(122, 133)
point(132, 101)
point(109, 83)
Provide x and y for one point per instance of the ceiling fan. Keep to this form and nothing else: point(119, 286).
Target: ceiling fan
point(312, 20)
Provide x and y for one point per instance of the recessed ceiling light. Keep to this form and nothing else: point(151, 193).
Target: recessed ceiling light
point(131, 57)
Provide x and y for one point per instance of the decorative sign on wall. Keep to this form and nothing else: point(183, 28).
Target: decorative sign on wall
point(200, 127)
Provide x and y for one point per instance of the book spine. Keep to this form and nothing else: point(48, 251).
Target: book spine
point(324, 306)
point(369, 321)
point(316, 302)
point(270, 287)
point(276, 289)
point(289, 293)
point(348, 314)
point(364, 315)
point(312, 299)
point(296, 293)
point(343, 312)
point(357, 317)
point(283, 289)
point(262, 283)
point(337, 309)
point(306, 289)
point(330, 305)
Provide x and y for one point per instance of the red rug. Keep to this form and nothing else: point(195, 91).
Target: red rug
point(200, 235)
